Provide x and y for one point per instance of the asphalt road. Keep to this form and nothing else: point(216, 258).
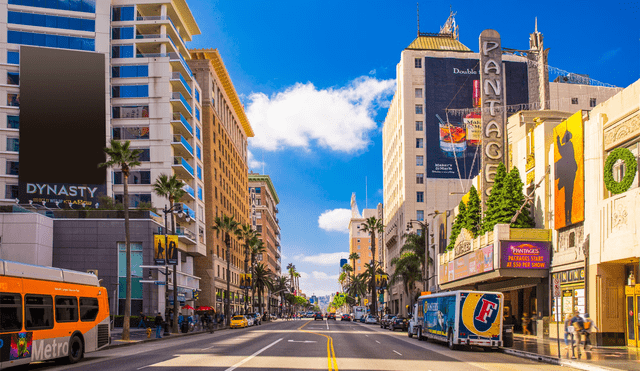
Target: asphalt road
point(295, 345)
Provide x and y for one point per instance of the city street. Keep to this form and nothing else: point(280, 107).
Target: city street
point(296, 345)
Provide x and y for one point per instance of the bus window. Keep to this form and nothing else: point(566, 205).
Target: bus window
point(38, 312)
point(66, 309)
point(10, 312)
point(89, 309)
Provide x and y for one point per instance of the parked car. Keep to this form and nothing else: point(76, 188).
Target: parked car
point(318, 316)
point(371, 319)
point(251, 320)
point(331, 316)
point(399, 322)
point(345, 317)
point(384, 321)
point(361, 320)
point(238, 322)
point(257, 320)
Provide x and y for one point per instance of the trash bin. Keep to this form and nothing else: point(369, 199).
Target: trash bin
point(507, 336)
point(185, 327)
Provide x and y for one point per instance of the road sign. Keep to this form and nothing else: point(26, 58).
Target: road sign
point(556, 287)
point(160, 283)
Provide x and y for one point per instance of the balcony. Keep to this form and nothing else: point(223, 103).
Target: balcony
point(188, 212)
point(186, 236)
point(177, 60)
point(180, 84)
point(181, 147)
point(191, 194)
point(180, 104)
point(182, 168)
point(181, 125)
point(151, 24)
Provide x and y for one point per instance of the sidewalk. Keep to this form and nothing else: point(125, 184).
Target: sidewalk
point(140, 335)
point(598, 358)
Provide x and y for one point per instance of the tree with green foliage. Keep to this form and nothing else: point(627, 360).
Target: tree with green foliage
point(514, 199)
point(407, 269)
point(493, 206)
point(473, 215)
point(458, 224)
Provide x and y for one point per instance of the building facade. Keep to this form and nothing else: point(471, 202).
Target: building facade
point(225, 133)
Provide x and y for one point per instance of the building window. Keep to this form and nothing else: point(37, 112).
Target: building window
point(122, 51)
point(199, 172)
point(141, 70)
point(420, 215)
point(52, 41)
point(574, 100)
point(418, 62)
point(13, 57)
point(259, 228)
point(418, 92)
point(358, 247)
point(52, 21)
point(13, 122)
point(11, 191)
point(358, 240)
point(129, 112)
point(198, 132)
point(572, 239)
point(199, 152)
point(144, 155)
point(130, 132)
point(13, 144)
point(86, 6)
point(200, 194)
point(419, 126)
point(419, 178)
point(419, 196)
point(418, 109)
point(122, 33)
point(13, 100)
point(123, 13)
point(136, 271)
point(419, 143)
point(258, 190)
point(135, 199)
point(13, 78)
point(135, 177)
point(592, 102)
point(12, 167)
point(130, 91)
point(197, 115)
point(420, 160)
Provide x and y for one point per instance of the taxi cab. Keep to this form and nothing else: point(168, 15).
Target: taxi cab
point(238, 322)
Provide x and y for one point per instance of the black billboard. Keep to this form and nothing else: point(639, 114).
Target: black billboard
point(453, 147)
point(62, 125)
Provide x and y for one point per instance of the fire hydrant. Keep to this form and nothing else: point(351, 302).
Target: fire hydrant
point(148, 332)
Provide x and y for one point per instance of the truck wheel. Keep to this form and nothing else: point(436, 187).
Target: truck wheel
point(452, 346)
point(409, 333)
point(76, 349)
point(420, 338)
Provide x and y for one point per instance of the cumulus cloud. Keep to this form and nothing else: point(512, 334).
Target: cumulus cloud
point(253, 163)
point(323, 276)
point(335, 118)
point(336, 220)
point(323, 259)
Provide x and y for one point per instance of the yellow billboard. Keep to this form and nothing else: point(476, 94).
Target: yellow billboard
point(568, 157)
point(159, 249)
point(172, 249)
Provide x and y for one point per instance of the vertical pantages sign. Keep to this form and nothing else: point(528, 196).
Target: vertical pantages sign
point(491, 83)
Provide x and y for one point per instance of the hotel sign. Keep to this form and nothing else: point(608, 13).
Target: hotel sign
point(491, 82)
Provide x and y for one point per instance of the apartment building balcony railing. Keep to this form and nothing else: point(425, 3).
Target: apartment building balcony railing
point(191, 194)
point(176, 57)
point(181, 146)
point(160, 19)
point(180, 104)
point(178, 82)
point(186, 236)
point(182, 168)
point(181, 125)
point(189, 212)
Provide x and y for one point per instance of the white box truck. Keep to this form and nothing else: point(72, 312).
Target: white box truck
point(359, 312)
point(459, 318)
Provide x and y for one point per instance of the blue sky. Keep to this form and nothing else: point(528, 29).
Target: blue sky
point(316, 78)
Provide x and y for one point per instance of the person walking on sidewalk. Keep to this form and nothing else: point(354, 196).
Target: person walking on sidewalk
point(141, 324)
point(589, 325)
point(158, 324)
point(568, 331)
point(578, 325)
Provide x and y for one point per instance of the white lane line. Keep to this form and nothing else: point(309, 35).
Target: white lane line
point(397, 353)
point(143, 367)
point(367, 335)
point(327, 324)
point(209, 347)
point(377, 342)
point(253, 355)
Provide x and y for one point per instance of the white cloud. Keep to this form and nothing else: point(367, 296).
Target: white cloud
point(255, 164)
point(335, 118)
point(336, 220)
point(323, 276)
point(323, 259)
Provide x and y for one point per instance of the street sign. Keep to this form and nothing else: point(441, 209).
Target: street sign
point(160, 283)
point(556, 287)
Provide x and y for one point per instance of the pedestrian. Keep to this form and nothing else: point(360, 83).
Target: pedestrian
point(190, 323)
point(568, 331)
point(578, 326)
point(203, 319)
point(158, 324)
point(589, 326)
point(196, 320)
point(141, 324)
point(525, 324)
point(180, 320)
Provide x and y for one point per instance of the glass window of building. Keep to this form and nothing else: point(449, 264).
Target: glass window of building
point(122, 33)
point(418, 109)
point(198, 132)
point(419, 178)
point(574, 100)
point(419, 142)
point(122, 51)
point(129, 112)
point(418, 92)
point(418, 62)
point(420, 215)
point(49, 40)
point(199, 152)
point(13, 57)
point(11, 191)
point(419, 126)
point(420, 160)
point(13, 78)
point(13, 100)
point(13, 122)
point(592, 102)
point(122, 13)
point(141, 70)
point(12, 167)
point(199, 172)
point(130, 91)
point(13, 144)
point(419, 196)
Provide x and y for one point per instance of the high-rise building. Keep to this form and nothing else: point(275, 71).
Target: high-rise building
point(264, 215)
point(225, 132)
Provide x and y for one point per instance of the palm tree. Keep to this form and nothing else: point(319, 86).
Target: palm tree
point(281, 286)
point(354, 256)
point(292, 270)
point(415, 243)
point(122, 156)
point(256, 247)
point(246, 233)
point(373, 226)
point(262, 279)
point(172, 188)
point(228, 226)
point(408, 269)
point(358, 287)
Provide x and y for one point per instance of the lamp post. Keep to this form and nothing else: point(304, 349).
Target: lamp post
point(177, 208)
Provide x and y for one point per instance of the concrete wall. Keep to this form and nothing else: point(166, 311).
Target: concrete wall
point(26, 238)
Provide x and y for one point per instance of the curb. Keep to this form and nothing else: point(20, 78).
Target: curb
point(135, 342)
point(555, 361)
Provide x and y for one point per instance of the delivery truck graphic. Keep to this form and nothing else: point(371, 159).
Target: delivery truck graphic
point(459, 318)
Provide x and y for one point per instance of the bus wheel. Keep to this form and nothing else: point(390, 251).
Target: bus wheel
point(76, 349)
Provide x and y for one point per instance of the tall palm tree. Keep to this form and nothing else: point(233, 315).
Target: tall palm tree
point(373, 225)
point(408, 270)
point(292, 271)
point(172, 188)
point(281, 286)
point(262, 280)
point(358, 287)
point(415, 243)
point(228, 226)
point(256, 247)
point(120, 155)
point(247, 233)
point(353, 257)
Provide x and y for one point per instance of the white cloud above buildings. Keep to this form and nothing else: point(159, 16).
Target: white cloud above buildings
point(336, 220)
point(337, 118)
point(327, 259)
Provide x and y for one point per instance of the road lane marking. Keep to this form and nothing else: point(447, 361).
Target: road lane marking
point(143, 367)
point(253, 355)
point(332, 363)
point(377, 342)
point(209, 347)
point(397, 353)
point(304, 341)
point(327, 324)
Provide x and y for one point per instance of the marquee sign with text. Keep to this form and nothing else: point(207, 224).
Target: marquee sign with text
point(524, 254)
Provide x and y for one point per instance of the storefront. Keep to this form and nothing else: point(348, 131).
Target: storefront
point(572, 294)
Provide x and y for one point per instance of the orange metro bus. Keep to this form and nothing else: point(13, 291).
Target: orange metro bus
point(48, 313)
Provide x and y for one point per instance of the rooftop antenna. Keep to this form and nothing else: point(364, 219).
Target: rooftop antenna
point(418, 13)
